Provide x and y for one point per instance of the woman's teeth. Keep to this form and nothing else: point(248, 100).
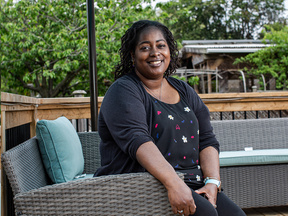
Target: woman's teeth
point(155, 62)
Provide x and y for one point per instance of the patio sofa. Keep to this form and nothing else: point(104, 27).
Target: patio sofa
point(249, 185)
point(259, 177)
point(125, 194)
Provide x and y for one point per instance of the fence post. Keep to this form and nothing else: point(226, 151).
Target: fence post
point(3, 174)
point(81, 124)
point(203, 83)
point(216, 79)
point(209, 83)
point(33, 122)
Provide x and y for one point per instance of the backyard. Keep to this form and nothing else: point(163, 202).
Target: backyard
point(232, 53)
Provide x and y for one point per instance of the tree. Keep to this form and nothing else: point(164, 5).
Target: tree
point(220, 19)
point(44, 45)
point(248, 17)
point(272, 60)
point(194, 20)
point(277, 26)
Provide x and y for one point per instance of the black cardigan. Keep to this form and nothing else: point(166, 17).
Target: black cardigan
point(125, 123)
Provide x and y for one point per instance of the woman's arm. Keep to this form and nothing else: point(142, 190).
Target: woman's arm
point(209, 162)
point(179, 194)
point(209, 146)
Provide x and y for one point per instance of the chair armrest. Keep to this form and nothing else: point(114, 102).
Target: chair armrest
point(24, 167)
point(122, 194)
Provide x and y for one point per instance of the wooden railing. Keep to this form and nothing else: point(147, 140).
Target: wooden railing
point(18, 110)
point(252, 101)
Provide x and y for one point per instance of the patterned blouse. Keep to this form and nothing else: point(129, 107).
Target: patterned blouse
point(176, 134)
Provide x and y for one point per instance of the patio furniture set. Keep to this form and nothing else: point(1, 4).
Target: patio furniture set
point(253, 178)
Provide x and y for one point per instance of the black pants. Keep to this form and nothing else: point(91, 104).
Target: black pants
point(225, 206)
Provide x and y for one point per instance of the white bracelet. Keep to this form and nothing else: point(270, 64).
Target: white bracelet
point(213, 181)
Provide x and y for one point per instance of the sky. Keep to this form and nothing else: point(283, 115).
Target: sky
point(285, 3)
point(286, 7)
point(154, 2)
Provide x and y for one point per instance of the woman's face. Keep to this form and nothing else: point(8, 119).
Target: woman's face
point(152, 54)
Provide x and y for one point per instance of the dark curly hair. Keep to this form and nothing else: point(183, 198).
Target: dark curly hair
point(130, 39)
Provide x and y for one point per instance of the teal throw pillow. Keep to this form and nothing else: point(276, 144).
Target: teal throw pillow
point(60, 148)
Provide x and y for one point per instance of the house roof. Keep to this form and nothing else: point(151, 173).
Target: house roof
point(229, 48)
point(222, 46)
point(202, 42)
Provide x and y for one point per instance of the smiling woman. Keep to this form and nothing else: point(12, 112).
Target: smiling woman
point(152, 54)
point(152, 122)
point(129, 45)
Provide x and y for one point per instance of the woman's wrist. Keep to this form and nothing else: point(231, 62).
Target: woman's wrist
point(173, 180)
point(213, 181)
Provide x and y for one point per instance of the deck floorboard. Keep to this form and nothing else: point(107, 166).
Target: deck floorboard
point(268, 211)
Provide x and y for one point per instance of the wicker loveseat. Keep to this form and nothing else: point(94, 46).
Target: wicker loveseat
point(255, 185)
point(126, 194)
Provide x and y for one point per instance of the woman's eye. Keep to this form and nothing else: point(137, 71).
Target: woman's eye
point(161, 45)
point(144, 48)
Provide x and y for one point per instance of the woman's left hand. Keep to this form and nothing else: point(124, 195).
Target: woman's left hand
point(210, 192)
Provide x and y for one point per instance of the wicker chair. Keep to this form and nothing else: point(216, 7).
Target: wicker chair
point(255, 185)
point(125, 194)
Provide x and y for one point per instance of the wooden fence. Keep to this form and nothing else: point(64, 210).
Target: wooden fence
point(19, 110)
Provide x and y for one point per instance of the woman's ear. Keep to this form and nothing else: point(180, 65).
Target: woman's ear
point(132, 56)
point(132, 59)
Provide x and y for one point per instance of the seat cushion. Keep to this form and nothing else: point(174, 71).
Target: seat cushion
point(83, 176)
point(255, 157)
point(60, 148)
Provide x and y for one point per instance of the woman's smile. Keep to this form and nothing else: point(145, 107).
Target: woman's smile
point(155, 63)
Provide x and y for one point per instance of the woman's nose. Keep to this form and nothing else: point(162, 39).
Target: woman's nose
point(154, 52)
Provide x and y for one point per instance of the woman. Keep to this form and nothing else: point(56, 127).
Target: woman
point(152, 122)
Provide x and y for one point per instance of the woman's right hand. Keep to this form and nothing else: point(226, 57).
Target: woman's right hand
point(180, 197)
point(179, 194)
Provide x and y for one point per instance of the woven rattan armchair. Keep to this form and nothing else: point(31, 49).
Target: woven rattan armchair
point(254, 185)
point(125, 194)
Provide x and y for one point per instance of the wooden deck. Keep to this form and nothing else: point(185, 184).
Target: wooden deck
point(271, 211)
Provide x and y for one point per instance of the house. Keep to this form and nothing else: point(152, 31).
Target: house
point(207, 55)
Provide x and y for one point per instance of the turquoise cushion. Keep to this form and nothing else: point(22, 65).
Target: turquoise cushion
point(60, 148)
point(255, 157)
